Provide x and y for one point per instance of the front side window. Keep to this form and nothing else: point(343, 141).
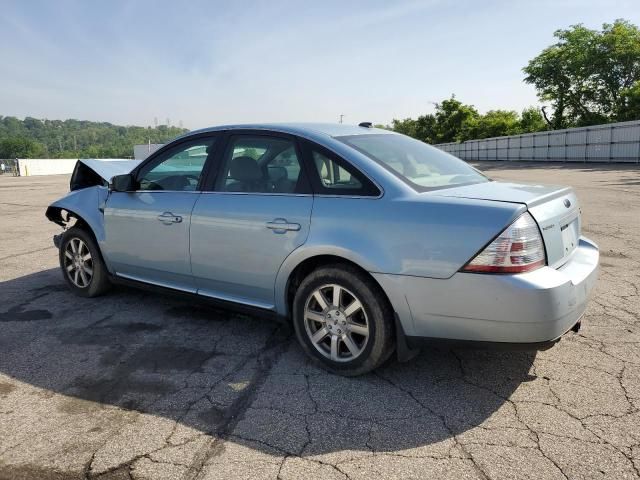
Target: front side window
point(260, 164)
point(179, 169)
point(420, 165)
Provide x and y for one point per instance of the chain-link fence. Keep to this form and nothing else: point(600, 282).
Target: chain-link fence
point(9, 167)
point(615, 143)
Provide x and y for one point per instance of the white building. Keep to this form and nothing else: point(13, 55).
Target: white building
point(140, 152)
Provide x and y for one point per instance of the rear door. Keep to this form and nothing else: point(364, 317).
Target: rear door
point(255, 213)
point(147, 231)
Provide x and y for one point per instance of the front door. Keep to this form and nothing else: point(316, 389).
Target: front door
point(147, 231)
point(257, 213)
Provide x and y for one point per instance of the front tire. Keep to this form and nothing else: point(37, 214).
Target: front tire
point(343, 320)
point(82, 265)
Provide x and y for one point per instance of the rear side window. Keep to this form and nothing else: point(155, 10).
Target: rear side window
point(332, 175)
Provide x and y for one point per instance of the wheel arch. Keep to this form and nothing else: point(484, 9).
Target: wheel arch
point(397, 303)
point(67, 219)
point(295, 269)
point(87, 205)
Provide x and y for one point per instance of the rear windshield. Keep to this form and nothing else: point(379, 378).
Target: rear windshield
point(420, 165)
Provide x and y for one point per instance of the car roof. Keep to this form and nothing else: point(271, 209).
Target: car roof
point(300, 129)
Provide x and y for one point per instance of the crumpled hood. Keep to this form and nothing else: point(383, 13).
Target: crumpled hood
point(91, 172)
point(88, 193)
point(529, 195)
point(109, 168)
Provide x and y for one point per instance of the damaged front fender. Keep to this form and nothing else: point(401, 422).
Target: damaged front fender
point(85, 206)
point(89, 192)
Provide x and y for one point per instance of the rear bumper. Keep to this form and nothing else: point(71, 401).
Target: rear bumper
point(531, 308)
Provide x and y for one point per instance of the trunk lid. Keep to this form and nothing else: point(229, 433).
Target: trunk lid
point(555, 209)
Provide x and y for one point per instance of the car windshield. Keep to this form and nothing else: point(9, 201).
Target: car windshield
point(420, 165)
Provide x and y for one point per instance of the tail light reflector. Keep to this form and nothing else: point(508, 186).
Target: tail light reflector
point(519, 248)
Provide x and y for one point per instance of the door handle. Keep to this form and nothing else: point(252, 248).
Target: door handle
point(168, 218)
point(280, 225)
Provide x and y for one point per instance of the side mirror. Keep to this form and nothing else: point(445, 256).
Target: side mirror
point(123, 183)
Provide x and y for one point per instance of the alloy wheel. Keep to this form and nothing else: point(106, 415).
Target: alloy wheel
point(78, 263)
point(336, 323)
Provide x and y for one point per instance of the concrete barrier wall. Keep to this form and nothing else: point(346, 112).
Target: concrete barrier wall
point(46, 166)
point(614, 142)
point(50, 166)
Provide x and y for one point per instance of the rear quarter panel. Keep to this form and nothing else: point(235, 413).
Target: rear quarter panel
point(419, 235)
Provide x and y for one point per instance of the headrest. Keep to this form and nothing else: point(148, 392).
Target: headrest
point(278, 173)
point(245, 169)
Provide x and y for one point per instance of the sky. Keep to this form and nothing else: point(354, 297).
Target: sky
point(202, 63)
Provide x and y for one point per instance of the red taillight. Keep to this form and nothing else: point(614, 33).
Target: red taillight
point(518, 249)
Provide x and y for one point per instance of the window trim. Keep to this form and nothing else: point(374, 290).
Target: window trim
point(158, 156)
point(370, 188)
point(221, 153)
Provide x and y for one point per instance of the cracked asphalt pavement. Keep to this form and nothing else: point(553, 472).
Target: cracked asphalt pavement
point(136, 385)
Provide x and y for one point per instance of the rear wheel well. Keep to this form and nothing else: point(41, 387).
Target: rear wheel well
point(313, 263)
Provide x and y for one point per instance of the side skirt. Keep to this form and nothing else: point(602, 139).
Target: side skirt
point(222, 304)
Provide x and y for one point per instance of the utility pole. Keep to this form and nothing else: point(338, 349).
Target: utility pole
point(341, 115)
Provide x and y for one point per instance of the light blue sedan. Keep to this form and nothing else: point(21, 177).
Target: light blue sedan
point(368, 241)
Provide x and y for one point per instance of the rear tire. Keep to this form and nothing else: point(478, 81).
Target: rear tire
point(343, 320)
point(81, 264)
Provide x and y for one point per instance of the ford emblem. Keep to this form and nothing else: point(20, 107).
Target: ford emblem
point(567, 203)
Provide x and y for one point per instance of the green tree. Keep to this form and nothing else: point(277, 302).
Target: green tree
point(426, 128)
point(532, 120)
point(453, 121)
point(423, 128)
point(406, 127)
point(20, 147)
point(585, 74)
point(82, 139)
point(458, 122)
point(629, 104)
point(494, 123)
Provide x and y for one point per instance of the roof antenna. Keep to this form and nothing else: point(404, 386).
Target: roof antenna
point(366, 124)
